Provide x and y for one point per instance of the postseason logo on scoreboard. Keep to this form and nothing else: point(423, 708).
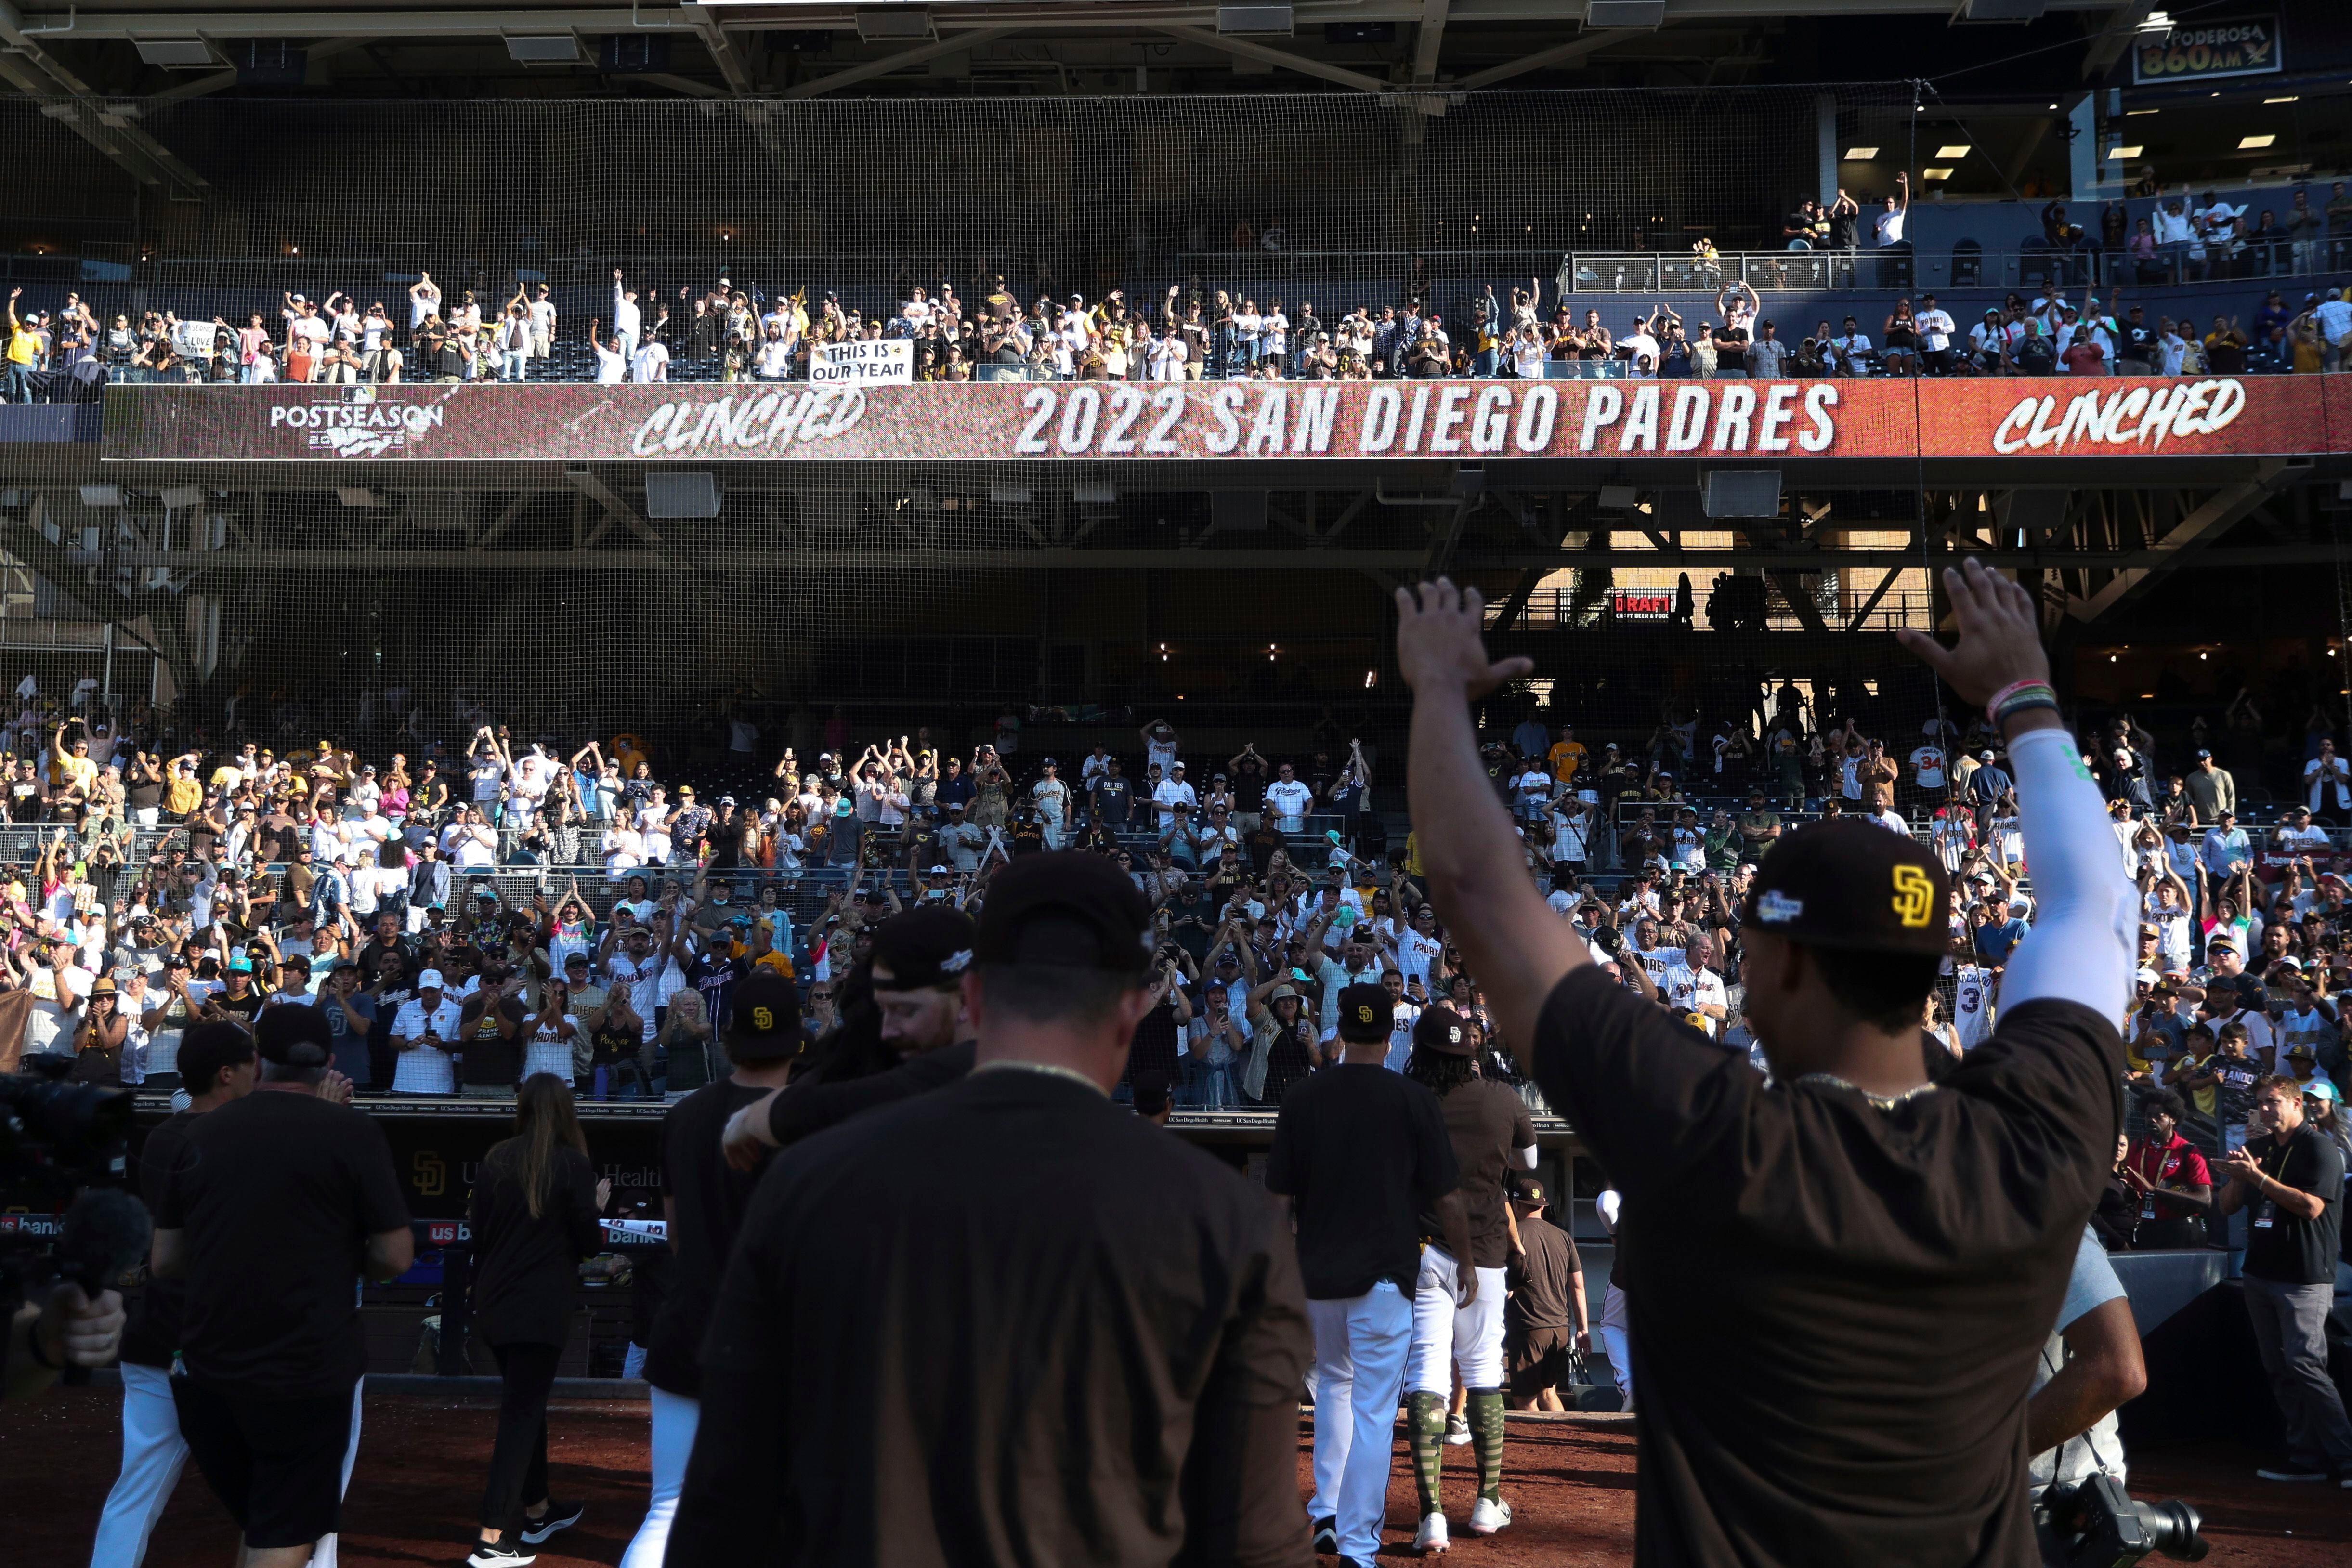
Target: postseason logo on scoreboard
point(361, 422)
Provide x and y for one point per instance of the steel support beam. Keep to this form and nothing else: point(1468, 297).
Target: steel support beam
point(1245, 49)
point(723, 53)
point(111, 129)
point(1544, 59)
point(1427, 40)
point(2218, 513)
point(1862, 614)
point(952, 44)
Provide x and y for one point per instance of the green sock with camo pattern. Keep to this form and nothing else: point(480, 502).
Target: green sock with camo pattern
point(1425, 1429)
point(1485, 1414)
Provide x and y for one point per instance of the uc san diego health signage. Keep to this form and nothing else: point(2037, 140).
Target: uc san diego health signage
point(2207, 49)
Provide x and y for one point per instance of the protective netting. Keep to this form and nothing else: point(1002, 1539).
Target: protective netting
point(907, 593)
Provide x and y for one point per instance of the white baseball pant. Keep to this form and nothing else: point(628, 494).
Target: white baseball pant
point(675, 1419)
point(1359, 1354)
point(153, 1454)
point(1444, 1334)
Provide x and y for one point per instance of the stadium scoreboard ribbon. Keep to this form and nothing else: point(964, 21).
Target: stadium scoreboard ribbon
point(2106, 416)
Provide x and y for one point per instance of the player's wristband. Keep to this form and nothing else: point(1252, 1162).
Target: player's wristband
point(2021, 697)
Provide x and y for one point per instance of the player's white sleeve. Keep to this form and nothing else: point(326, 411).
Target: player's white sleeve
point(2087, 915)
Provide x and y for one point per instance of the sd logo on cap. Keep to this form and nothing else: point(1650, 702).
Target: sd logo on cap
point(1364, 1013)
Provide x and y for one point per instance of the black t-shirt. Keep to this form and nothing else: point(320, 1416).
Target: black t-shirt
point(154, 1331)
point(246, 1006)
point(1114, 798)
point(1360, 1151)
point(2283, 1248)
point(527, 1270)
point(1921, 1244)
point(1249, 785)
point(276, 1193)
point(932, 1307)
point(493, 1059)
point(1540, 1295)
point(708, 1198)
point(1488, 1125)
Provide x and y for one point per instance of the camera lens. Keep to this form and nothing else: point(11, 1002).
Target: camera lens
point(2171, 1527)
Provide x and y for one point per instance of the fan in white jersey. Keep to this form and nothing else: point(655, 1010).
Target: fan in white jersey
point(1971, 1005)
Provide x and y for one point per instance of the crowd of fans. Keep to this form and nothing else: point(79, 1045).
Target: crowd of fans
point(731, 332)
point(468, 914)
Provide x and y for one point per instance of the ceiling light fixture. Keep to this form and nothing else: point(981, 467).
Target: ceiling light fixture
point(2123, 151)
point(1936, 173)
point(1861, 154)
point(2251, 143)
point(1955, 150)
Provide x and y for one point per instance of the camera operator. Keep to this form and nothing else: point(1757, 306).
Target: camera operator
point(279, 1197)
point(2090, 1365)
point(218, 1063)
point(70, 1330)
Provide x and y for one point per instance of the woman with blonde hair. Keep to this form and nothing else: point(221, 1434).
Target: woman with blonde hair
point(534, 1213)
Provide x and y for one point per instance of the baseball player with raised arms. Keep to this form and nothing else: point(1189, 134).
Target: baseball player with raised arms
point(1492, 1135)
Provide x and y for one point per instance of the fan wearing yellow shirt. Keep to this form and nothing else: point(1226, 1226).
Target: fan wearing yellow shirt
point(182, 793)
point(24, 353)
point(1567, 757)
point(69, 765)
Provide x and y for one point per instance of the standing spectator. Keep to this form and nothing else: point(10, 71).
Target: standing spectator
point(2291, 1184)
point(534, 1212)
point(626, 319)
point(1888, 226)
point(2212, 790)
point(2328, 785)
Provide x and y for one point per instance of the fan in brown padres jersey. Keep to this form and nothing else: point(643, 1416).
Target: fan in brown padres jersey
point(1841, 1275)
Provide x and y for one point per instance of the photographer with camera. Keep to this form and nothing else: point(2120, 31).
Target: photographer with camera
point(2090, 1364)
point(2289, 1177)
point(279, 1197)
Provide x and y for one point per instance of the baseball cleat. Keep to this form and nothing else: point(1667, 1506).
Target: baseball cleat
point(1429, 1538)
point(1327, 1536)
point(1489, 1515)
point(1457, 1431)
